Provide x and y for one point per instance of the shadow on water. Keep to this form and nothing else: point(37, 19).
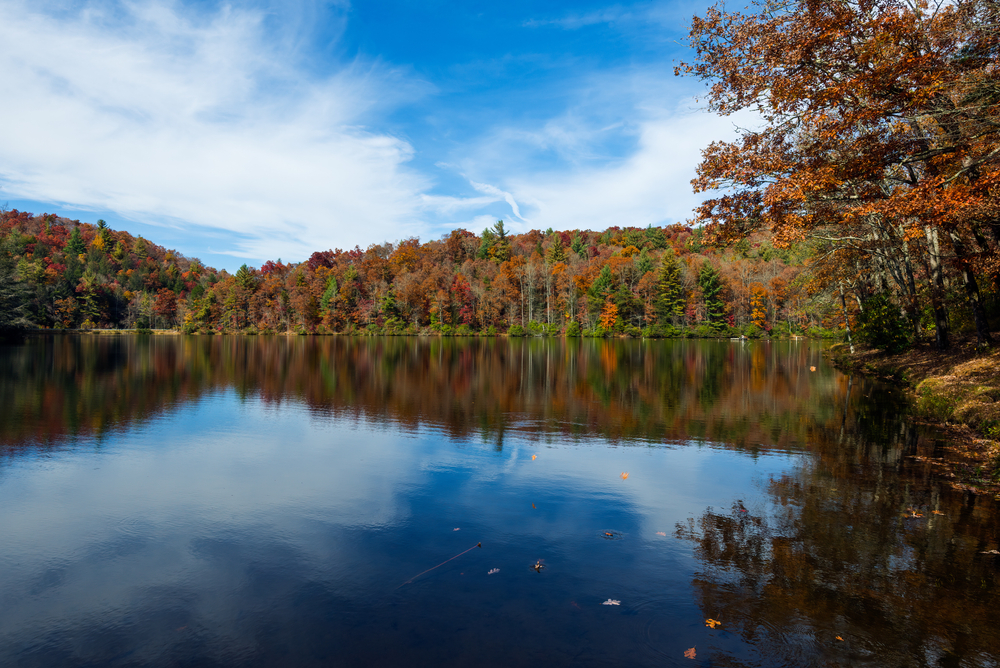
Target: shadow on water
point(833, 547)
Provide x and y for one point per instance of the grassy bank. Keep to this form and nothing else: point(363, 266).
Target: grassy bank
point(957, 390)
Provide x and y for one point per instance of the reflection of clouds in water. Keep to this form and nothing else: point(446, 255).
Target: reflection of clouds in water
point(221, 517)
point(183, 515)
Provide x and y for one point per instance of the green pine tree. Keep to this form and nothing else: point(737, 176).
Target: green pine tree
point(556, 252)
point(669, 293)
point(75, 245)
point(710, 282)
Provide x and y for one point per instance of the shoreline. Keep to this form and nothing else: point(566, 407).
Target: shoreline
point(956, 392)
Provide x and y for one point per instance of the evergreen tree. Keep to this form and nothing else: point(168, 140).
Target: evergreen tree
point(75, 245)
point(556, 253)
point(246, 279)
point(669, 293)
point(643, 263)
point(655, 237)
point(13, 295)
point(710, 282)
point(577, 245)
point(601, 289)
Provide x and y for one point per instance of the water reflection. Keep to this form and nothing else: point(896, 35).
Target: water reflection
point(262, 501)
point(748, 395)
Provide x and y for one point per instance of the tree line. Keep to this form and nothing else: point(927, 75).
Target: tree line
point(654, 281)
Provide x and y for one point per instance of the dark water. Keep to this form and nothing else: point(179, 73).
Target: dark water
point(279, 502)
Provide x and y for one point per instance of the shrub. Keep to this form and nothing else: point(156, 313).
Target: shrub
point(515, 330)
point(573, 329)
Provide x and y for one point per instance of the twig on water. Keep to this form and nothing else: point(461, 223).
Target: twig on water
point(410, 581)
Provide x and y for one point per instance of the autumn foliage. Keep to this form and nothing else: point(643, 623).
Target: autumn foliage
point(628, 281)
point(878, 133)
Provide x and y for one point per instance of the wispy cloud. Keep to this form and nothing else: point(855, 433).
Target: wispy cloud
point(622, 152)
point(172, 117)
point(496, 192)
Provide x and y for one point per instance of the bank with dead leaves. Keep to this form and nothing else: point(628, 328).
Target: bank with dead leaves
point(956, 390)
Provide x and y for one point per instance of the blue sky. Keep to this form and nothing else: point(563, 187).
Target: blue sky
point(246, 131)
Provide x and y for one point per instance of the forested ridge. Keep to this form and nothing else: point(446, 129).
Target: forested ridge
point(632, 281)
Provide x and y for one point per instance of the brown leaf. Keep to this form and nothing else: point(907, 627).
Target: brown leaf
point(689, 653)
point(712, 623)
point(624, 475)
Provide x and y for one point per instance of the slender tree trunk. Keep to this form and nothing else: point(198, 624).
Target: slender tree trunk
point(937, 288)
point(911, 285)
point(847, 320)
point(971, 291)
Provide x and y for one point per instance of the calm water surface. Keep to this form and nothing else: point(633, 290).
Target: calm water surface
point(222, 501)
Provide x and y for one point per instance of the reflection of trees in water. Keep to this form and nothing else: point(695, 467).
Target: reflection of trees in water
point(748, 396)
point(850, 545)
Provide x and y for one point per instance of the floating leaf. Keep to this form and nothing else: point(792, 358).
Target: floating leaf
point(494, 570)
point(840, 639)
point(534, 457)
point(689, 653)
point(457, 529)
point(989, 552)
point(624, 475)
point(712, 623)
point(812, 368)
point(611, 601)
point(660, 533)
point(937, 512)
point(533, 505)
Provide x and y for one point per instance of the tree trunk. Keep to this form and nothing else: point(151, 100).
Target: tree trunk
point(937, 288)
point(971, 291)
point(847, 320)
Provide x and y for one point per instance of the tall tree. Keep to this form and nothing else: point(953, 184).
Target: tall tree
point(670, 293)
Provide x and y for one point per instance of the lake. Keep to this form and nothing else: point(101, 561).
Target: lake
point(307, 501)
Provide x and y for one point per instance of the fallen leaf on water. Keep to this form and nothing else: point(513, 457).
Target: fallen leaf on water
point(533, 505)
point(937, 512)
point(457, 529)
point(534, 456)
point(916, 515)
point(812, 368)
point(624, 475)
point(492, 571)
point(611, 601)
point(689, 653)
point(712, 623)
point(839, 638)
point(660, 533)
point(989, 552)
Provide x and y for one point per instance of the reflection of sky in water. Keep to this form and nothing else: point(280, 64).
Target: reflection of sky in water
point(231, 530)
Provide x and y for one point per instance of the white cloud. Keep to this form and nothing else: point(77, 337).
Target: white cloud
point(164, 116)
point(650, 186)
point(500, 194)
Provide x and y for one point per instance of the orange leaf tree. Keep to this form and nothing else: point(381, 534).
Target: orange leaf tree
point(879, 138)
